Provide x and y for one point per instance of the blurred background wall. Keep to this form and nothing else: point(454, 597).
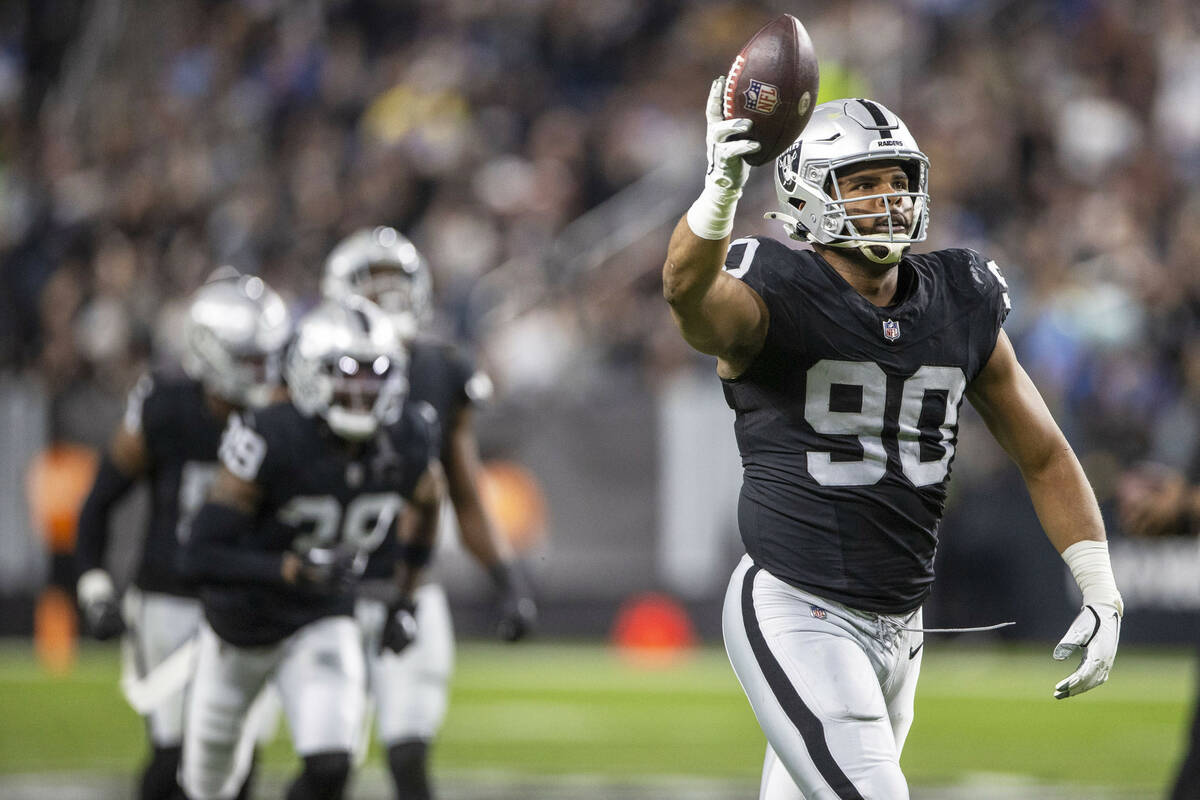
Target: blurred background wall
point(538, 152)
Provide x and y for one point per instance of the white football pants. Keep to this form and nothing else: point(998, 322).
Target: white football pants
point(321, 680)
point(157, 625)
point(410, 690)
point(832, 688)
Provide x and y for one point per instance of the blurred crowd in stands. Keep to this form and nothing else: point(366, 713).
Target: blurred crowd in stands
point(144, 143)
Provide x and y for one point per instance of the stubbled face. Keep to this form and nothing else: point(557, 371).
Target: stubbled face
point(877, 178)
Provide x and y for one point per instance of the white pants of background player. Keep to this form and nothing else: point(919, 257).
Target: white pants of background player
point(320, 676)
point(157, 625)
point(832, 688)
point(409, 690)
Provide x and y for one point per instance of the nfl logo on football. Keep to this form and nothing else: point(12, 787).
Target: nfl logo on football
point(891, 330)
point(761, 97)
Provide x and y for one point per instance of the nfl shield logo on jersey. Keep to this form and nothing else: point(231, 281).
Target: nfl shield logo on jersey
point(891, 330)
point(818, 612)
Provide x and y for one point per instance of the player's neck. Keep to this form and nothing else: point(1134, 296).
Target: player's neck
point(875, 282)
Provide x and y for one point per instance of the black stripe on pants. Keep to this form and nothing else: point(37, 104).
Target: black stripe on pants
point(801, 716)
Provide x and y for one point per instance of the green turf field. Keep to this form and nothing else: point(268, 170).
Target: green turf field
point(982, 716)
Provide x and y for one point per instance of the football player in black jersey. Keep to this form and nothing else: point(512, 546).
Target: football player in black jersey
point(236, 328)
point(306, 491)
point(846, 366)
point(411, 689)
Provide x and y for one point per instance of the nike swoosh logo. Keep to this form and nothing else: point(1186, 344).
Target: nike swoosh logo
point(912, 651)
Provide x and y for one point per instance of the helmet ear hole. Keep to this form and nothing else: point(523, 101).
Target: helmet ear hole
point(796, 203)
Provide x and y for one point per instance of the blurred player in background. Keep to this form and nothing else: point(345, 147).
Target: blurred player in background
point(846, 366)
point(411, 690)
point(1162, 499)
point(236, 329)
point(305, 492)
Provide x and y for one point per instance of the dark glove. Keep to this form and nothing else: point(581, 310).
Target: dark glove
point(98, 602)
point(401, 627)
point(518, 612)
point(329, 570)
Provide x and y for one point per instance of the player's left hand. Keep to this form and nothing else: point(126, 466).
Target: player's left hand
point(1094, 633)
point(401, 627)
point(518, 614)
point(518, 611)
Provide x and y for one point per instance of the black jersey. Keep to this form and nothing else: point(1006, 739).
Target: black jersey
point(847, 419)
point(316, 492)
point(181, 436)
point(442, 381)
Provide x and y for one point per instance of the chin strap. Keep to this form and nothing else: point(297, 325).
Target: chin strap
point(892, 251)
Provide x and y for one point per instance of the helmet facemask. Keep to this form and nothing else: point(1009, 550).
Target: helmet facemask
point(355, 381)
point(883, 247)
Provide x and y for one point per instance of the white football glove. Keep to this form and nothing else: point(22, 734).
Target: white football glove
point(711, 216)
point(1094, 632)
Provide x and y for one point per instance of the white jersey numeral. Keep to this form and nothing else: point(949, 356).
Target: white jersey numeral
point(995, 270)
point(242, 449)
point(365, 524)
point(747, 257)
point(867, 423)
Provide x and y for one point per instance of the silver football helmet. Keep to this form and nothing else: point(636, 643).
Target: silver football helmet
point(842, 133)
point(383, 266)
point(235, 332)
point(347, 366)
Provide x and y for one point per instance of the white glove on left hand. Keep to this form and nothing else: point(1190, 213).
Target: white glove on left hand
point(1094, 632)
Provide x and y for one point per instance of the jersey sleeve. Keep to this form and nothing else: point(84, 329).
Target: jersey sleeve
point(761, 262)
point(991, 283)
point(418, 439)
point(150, 410)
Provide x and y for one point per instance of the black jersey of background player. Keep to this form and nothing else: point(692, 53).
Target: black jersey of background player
point(315, 493)
point(181, 436)
point(441, 380)
point(848, 418)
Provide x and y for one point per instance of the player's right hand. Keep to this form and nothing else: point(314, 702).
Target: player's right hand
point(98, 602)
point(727, 170)
point(325, 570)
point(401, 627)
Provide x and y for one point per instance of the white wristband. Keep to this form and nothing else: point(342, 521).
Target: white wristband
point(711, 216)
point(1090, 564)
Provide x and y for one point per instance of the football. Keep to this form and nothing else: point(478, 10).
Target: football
point(773, 82)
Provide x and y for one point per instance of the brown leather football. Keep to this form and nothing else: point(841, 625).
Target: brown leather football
point(773, 82)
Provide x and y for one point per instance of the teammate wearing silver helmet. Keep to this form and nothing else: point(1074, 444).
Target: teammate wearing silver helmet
point(235, 330)
point(307, 490)
point(846, 366)
point(411, 689)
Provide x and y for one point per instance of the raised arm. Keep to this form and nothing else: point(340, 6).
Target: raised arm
point(1066, 506)
point(716, 313)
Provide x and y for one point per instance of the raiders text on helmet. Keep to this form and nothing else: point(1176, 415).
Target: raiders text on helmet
point(842, 133)
point(383, 266)
point(347, 365)
point(237, 327)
